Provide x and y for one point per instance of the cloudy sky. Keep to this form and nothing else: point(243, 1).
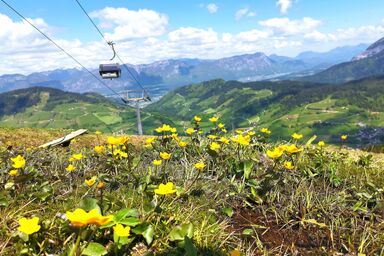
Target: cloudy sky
point(146, 30)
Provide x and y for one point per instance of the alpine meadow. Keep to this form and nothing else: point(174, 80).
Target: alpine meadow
point(163, 128)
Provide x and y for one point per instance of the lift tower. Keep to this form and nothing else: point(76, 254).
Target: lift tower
point(135, 97)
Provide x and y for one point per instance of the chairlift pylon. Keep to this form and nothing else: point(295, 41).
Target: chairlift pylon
point(110, 70)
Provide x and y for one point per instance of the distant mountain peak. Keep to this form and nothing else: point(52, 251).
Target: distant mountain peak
point(372, 50)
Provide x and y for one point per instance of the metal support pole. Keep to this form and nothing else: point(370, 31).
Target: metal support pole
point(139, 127)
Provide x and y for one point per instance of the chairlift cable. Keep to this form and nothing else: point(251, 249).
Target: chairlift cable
point(61, 48)
point(115, 53)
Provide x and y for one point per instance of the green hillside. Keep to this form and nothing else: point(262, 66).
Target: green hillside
point(285, 107)
point(43, 107)
point(353, 70)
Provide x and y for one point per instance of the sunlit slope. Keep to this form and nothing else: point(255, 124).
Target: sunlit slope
point(285, 107)
point(41, 107)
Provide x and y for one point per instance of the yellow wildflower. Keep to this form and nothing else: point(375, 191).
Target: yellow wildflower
point(123, 154)
point(199, 165)
point(197, 119)
point(224, 130)
point(214, 146)
point(265, 130)
point(234, 253)
point(80, 218)
point(321, 143)
point(288, 165)
point(98, 132)
point(164, 189)
point(157, 162)
point(251, 133)
point(150, 140)
point(242, 140)
point(70, 168)
point(13, 172)
point(224, 140)
point(18, 162)
point(212, 137)
point(297, 136)
point(29, 226)
point(173, 130)
point(76, 157)
point(99, 149)
point(164, 128)
point(165, 155)
point(120, 230)
point(90, 181)
point(120, 153)
point(100, 185)
point(283, 147)
point(183, 144)
point(220, 125)
point(343, 137)
point(114, 141)
point(213, 119)
point(190, 131)
point(293, 149)
point(276, 153)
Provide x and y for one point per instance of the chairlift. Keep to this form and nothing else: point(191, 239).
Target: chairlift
point(110, 70)
point(136, 95)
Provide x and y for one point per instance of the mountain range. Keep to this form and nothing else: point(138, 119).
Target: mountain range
point(365, 64)
point(162, 76)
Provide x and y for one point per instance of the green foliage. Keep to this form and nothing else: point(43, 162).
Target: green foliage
point(284, 106)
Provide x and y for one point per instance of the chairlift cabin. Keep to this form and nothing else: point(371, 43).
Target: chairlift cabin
point(110, 71)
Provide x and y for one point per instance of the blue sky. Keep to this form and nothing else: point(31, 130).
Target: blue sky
point(148, 30)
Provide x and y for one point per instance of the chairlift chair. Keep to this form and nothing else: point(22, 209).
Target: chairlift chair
point(111, 70)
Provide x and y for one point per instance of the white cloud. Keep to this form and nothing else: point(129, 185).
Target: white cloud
point(285, 26)
point(128, 24)
point(253, 35)
point(212, 8)
point(284, 5)
point(193, 36)
point(24, 50)
point(240, 13)
point(316, 36)
point(244, 12)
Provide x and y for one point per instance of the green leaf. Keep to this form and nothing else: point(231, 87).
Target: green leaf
point(309, 142)
point(228, 211)
point(94, 249)
point(88, 204)
point(42, 195)
point(313, 221)
point(131, 221)
point(247, 231)
point(146, 231)
point(246, 167)
point(148, 234)
point(120, 215)
point(9, 185)
point(3, 201)
point(257, 198)
point(179, 232)
point(189, 247)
